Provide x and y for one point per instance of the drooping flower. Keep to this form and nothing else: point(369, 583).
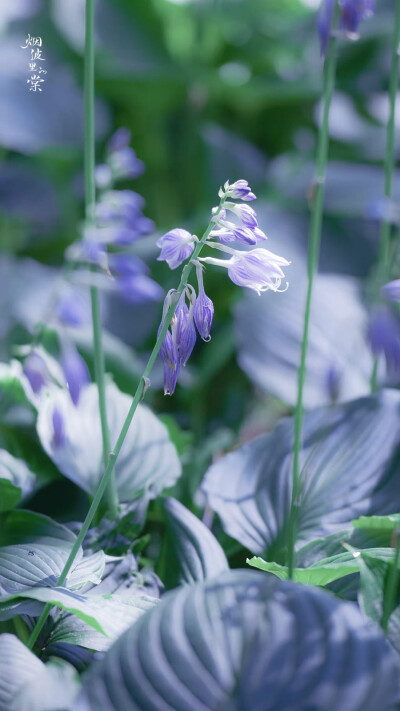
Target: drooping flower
point(182, 326)
point(257, 269)
point(203, 311)
point(246, 230)
point(391, 290)
point(176, 246)
point(75, 370)
point(245, 213)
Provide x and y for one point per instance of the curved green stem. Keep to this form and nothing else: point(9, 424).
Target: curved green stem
point(113, 456)
point(90, 203)
point(317, 201)
point(385, 231)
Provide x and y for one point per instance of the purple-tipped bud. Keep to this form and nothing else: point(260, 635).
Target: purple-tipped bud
point(36, 371)
point(240, 190)
point(350, 16)
point(176, 246)
point(75, 370)
point(58, 427)
point(183, 330)
point(391, 290)
point(203, 310)
point(170, 378)
point(245, 213)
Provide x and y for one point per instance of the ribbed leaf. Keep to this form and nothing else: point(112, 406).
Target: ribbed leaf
point(26, 684)
point(16, 480)
point(148, 462)
point(246, 640)
point(346, 465)
point(33, 552)
point(200, 555)
point(107, 615)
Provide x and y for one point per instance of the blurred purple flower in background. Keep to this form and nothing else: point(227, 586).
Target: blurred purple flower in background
point(75, 370)
point(351, 13)
point(391, 290)
point(36, 371)
point(384, 336)
point(132, 281)
point(58, 427)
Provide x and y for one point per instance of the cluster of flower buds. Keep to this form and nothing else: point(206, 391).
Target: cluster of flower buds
point(351, 13)
point(257, 269)
point(118, 222)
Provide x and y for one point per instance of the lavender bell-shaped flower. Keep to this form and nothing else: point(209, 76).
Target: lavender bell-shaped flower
point(168, 350)
point(75, 370)
point(257, 269)
point(240, 190)
point(203, 310)
point(176, 246)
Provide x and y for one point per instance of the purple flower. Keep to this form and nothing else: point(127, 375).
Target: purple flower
point(176, 246)
point(36, 371)
point(75, 370)
point(170, 378)
point(182, 327)
point(58, 428)
point(103, 176)
point(350, 15)
point(119, 139)
point(245, 213)
point(258, 269)
point(391, 290)
point(384, 336)
point(203, 310)
point(72, 310)
point(230, 232)
point(121, 158)
point(332, 382)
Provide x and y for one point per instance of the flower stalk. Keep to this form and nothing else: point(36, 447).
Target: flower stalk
point(90, 204)
point(113, 455)
point(317, 202)
point(389, 163)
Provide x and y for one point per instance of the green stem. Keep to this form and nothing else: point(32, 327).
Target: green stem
point(90, 203)
point(113, 456)
point(317, 202)
point(386, 228)
point(389, 597)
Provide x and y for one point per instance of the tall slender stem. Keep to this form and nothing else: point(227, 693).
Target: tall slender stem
point(90, 202)
point(385, 231)
point(317, 202)
point(138, 396)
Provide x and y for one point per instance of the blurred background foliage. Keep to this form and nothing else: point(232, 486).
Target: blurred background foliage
point(211, 90)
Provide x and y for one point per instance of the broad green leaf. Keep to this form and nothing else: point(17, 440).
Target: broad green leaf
point(26, 684)
point(107, 615)
point(346, 471)
point(148, 462)
point(241, 641)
